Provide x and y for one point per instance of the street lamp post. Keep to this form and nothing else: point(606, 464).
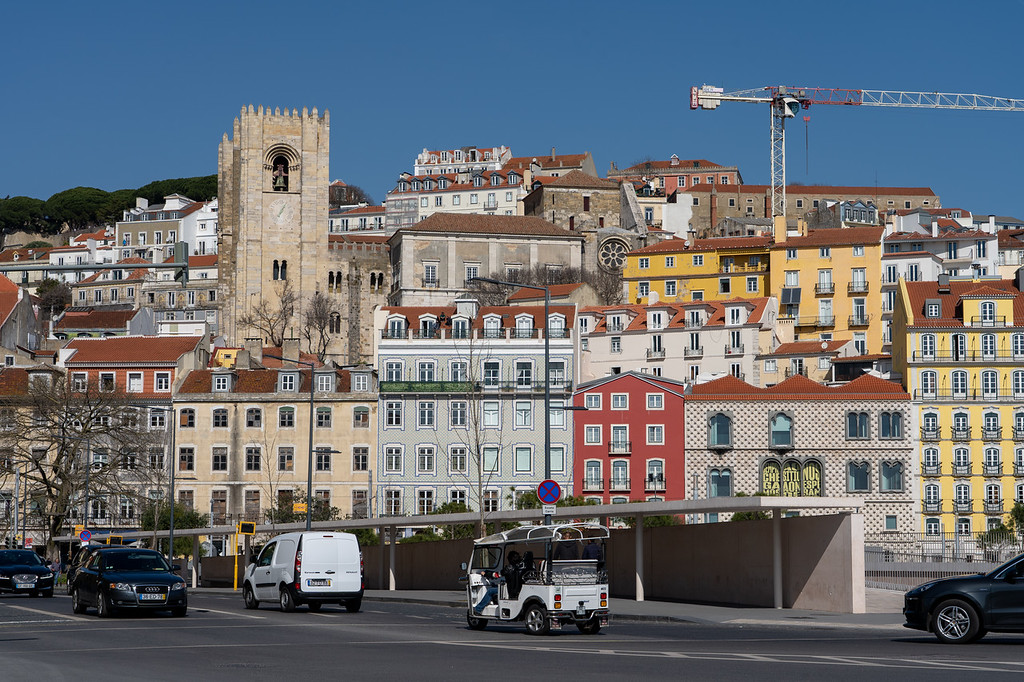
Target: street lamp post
point(547, 368)
point(312, 416)
point(173, 464)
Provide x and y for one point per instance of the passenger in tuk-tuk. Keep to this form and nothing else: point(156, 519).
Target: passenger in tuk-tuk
point(509, 576)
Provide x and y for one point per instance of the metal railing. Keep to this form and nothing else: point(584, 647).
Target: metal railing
point(982, 321)
point(961, 469)
point(920, 394)
point(961, 433)
point(693, 352)
point(734, 350)
point(857, 287)
point(654, 483)
point(992, 469)
point(825, 288)
point(616, 484)
point(931, 470)
point(653, 354)
point(620, 447)
point(990, 433)
point(591, 485)
point(859, 320)
point(899, 561)
point(966, 356)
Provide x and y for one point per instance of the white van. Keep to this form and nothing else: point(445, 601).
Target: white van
point(312, 568)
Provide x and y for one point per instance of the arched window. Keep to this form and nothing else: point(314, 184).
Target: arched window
point(990, 383)
point(891, 478)
point(720, 483)
point(720, 430)
point(928, 346)
point(286, 417)
point(279, 173)
point(858, 477)
point(993, 493)
point(334, 326)
point(856, 425)
point(330, 281)
point(811, 485)
point(1018, 383)
point(958, 345)
point(655, 474)
point(781, 431)
point(277, 270)
point(284, 269)
point(931, 493)
point(771, 478)
point(891, 425)
point(988, 346)
point(961, 458)
point(959, 384)
point(1018, 345)
point(993, 462)
point(932, 526)
point(931, 458)
point(988, 312)
point(928, 382)
point(791, 478)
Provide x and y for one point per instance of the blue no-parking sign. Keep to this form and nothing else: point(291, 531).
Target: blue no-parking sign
point(549, 491)
point(85, 536)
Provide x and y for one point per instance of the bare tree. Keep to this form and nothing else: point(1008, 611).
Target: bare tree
point(316, 325)
point(271, 318)
point(45, 432)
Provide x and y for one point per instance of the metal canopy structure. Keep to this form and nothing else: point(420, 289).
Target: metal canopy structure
point(636, 510)
point(565, 532)
point(786, 101)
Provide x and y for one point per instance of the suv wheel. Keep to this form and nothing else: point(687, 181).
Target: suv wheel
point(287, 601)
point(536, 620)
point(956, 622)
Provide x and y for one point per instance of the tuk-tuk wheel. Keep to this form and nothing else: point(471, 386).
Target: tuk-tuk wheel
point(476, 623)
point(591, 627)
point(537, 620)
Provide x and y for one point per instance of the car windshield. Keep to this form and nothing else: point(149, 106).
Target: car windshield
point(19, 557)
point(133, 561)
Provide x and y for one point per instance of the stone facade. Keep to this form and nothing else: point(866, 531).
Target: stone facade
point(274, 230)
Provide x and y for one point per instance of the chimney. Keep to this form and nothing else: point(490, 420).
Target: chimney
point(943, 282)
point(779, 227)
point(714, 210)
point(290, 350)
point(141, 203)
point(254, 346)
point(242, 360)
point(468, 307)
point(552, 153)
point(991, 224)
point(674, 161)
point(1019, 278)
point(935, 227)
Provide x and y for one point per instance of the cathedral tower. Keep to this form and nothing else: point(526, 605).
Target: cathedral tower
point(273, 182)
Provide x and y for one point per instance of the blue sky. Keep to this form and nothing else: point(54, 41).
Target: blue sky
point(117, 94)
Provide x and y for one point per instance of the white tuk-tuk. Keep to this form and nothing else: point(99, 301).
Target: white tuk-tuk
point(557, 576)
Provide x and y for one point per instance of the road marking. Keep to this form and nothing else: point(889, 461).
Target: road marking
point(40, 612)
point(231, 613)
point(409, 615)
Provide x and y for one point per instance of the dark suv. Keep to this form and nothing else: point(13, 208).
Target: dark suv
point(961, 610)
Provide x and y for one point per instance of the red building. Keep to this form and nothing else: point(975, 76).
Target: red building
point(629, 440)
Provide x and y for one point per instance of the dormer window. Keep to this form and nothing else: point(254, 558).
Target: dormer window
point(415, 185)
point(396, 328)
point(492, 326)
point(524, 326)
point(556, 327)
point(289, 382)
point(933, 309)
point(460, 328)
point(221, 382)
point(513, 178)
point(442, 183)
point(735, 315)
point(428, 185)
point(614, 323)
point(656, 320)
point(324, 383)
point(478, 181)
point(428, 327)
point(403, 186)
point(495, 179)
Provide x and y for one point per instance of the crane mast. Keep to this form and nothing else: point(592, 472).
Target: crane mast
point(786, 101)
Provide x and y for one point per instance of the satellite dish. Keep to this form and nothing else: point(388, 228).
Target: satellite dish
point(824, 345)
point(686, 243)
point(652, 297)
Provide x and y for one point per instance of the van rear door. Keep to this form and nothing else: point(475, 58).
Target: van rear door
point(330, 563)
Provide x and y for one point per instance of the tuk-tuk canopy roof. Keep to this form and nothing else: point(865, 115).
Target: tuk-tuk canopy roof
point(559, 532)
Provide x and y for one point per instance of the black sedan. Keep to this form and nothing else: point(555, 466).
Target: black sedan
point(21, 570)
point(961, 610)
point(116, 578)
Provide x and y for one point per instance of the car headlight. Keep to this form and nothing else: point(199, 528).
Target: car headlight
point(177, 586)
point(46, 575)
point(919, 590)
point(122, 587)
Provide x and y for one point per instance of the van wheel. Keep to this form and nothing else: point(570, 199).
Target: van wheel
point(591, 627)
point(352, 605)
point(537, 620)
point(476, 623)
point(314, 606)
point(249, 598)
point(287, 601)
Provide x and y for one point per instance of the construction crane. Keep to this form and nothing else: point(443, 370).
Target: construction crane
point(787, 101)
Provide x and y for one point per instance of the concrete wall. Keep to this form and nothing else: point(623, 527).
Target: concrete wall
point(726, 563)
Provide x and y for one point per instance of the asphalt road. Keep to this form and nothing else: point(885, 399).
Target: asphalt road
point(40, 639)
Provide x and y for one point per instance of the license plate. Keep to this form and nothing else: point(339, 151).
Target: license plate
point(318, 582)
point(581, 611)
point(24, 586)
point(151, 597)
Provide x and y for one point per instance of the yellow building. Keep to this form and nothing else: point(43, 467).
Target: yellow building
point(828, 284)
point(959, 344)
point(714, 269)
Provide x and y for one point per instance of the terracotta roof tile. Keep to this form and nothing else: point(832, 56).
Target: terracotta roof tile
point(682, 166)
point(521, 163)
point(508, 314)
point(809, 347)
point(951, 311)
point(844, 236)
point(95, 318)
point(819, 190)
point(555, 290)
point(712, 244)
point(255, 381)
point(579, 179)
point(130, 349)
point(797, 387)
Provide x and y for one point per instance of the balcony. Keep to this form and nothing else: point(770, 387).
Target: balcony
point(1018, 433)
point(857, 288)
point(620, 447)
point(593, 485)
point(654, 483)
point(427, 386)
point(792, 372)
point(964, 356)
point(931, 469)
point(815, 321)
point(994, 507)
point(1018, 468)
point(490, 205)
point(694, 323)
point(932, 506)
point(963, 507)
point(653, 354)
point(618, 484)
point(983, 321)
point(859, 320)
point(993, 433)
point(992, 469)
point(961, 469)
point(734, 350)
point(693, 352)
point(614, 327)
point(824, 288)
point(525, 333)
point(961, 433)
point(430, 284)
point(965, 395)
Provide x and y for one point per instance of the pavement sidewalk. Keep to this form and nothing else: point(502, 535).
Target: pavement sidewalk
point(884, 610)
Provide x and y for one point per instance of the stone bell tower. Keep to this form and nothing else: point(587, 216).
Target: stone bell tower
point(272, 178)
